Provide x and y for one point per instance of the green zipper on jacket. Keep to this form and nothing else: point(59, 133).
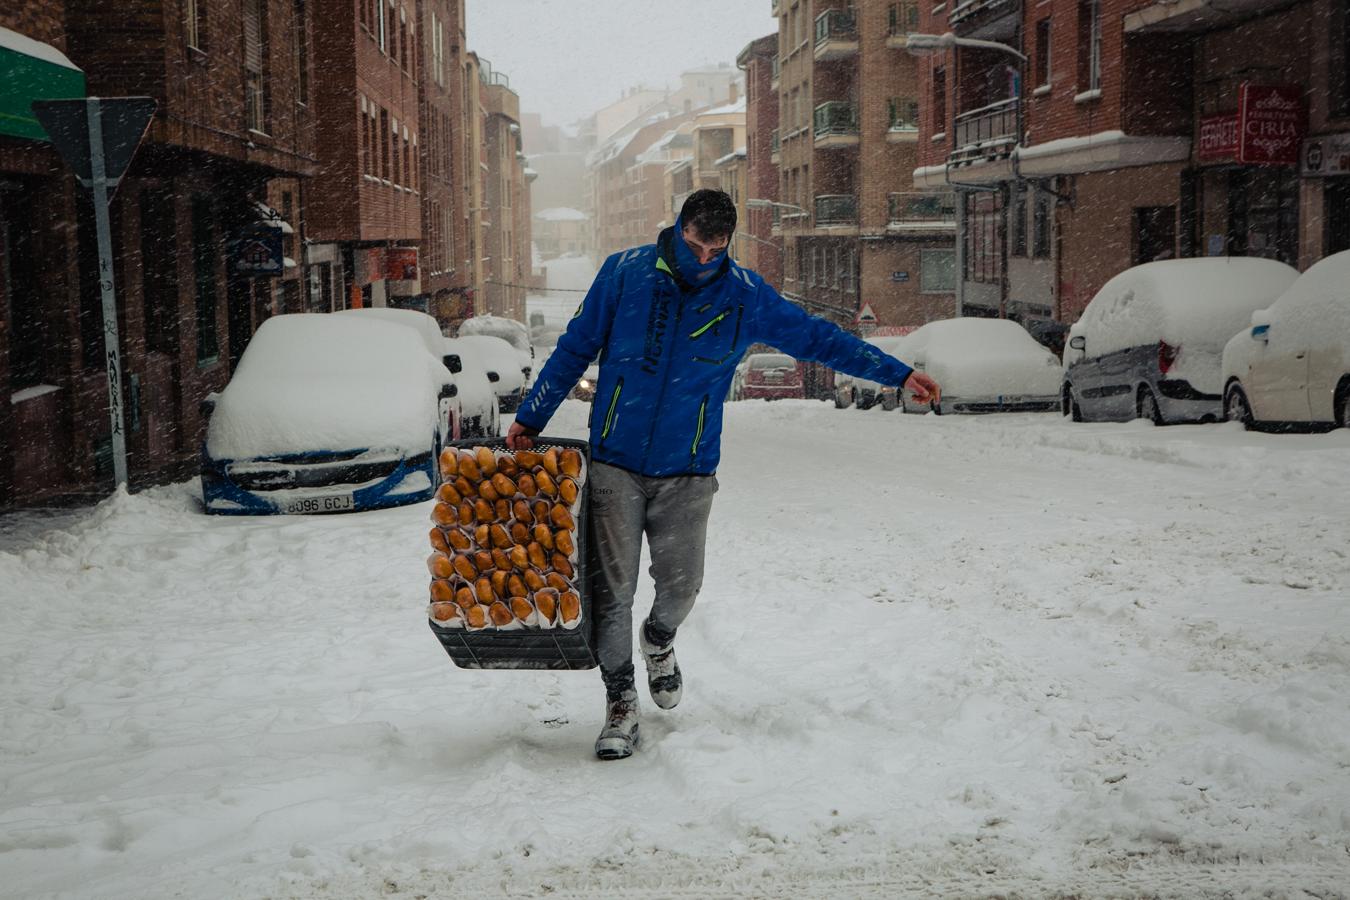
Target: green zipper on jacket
point(698, 433)
point(613, 409)
point(720, 316)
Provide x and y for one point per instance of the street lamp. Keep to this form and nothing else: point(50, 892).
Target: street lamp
point(757, 203)
point(924, 44)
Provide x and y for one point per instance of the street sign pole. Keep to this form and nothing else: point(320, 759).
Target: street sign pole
point(111, 340)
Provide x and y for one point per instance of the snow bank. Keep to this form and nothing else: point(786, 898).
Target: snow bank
point(328, 382)
point(1189, 303)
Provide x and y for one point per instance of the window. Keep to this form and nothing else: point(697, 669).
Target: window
point(1089, 45)
point(437, 50)
point(194, 21)
point(19, 295)
point(1339, 35)
point(848, 264)
point(204, 279)
point(903, 114)
point(1017, 239)
point(396, 157)
point(940, 99)
point(904, 17)
point(255, 76)
point(937, 271)
point(984, 261)
point(1040, 228)
point(302, 52)
point(1155, 233)
point(381, 27)
point(383, 144)
point(1043, 52)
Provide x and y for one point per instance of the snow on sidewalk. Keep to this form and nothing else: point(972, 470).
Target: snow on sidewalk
point(933, 657)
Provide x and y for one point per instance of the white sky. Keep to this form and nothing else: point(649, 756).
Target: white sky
point(568, 58)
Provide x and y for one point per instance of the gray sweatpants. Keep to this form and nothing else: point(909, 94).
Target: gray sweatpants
point(673, 513)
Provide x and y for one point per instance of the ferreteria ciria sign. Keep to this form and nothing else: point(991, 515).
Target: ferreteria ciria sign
point(1271, 124)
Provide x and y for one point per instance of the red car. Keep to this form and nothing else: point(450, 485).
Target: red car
point(771, 376)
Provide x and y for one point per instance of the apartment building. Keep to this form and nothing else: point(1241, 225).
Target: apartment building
point(232, 138)
point(629, 207)
point(1106, 133)
point(856, 232)
point(756, 246)
point(365, 204)
point(507, 225)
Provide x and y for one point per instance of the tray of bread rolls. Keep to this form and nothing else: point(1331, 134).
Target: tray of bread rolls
point(509, 586)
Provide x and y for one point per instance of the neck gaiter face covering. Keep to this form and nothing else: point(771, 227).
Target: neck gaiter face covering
point(693, 271)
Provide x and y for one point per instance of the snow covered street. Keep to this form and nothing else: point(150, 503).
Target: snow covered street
point(934, 656)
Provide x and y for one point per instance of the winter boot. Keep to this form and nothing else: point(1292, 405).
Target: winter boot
point(620, 734)
point(663, 673)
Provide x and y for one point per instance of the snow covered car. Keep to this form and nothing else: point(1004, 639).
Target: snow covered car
point(771, 376)
point(427, 328)
point(477, 399)
point(1291, 367)
point(1150, 342)
point(500, 358)
point(514, 333)
point(327, 413)
point(983, 366)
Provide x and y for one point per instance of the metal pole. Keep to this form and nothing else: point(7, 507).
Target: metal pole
point(960, 253)
point(111, 341)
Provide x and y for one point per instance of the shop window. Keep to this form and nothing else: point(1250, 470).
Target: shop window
point(1155, 233)
point(24, 312)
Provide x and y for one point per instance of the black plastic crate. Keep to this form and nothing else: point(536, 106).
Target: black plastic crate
point(553, 648)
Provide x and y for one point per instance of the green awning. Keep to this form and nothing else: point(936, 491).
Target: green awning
point(31, 70)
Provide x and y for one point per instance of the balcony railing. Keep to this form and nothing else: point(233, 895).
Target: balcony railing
point(967, 10)
point(915, 209)
point(836, 118)
point(836, 209)
point(836, 34)
point(990, 131)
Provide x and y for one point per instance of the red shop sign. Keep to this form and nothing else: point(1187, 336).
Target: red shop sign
point(1219, 137)
point(401, 264)
point(1271, 123)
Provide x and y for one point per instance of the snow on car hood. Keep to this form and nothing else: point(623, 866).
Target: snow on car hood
point(312, 382)
point(1181, 301)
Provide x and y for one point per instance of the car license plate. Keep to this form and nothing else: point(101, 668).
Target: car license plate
point(773, 378)
point(309, 505)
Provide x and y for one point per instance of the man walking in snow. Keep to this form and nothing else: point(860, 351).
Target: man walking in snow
point(669, 322)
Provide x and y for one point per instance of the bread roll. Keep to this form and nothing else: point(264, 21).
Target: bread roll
point(487, 461)
point(444, 612)
point(504, 486)
point(500, 614)
point(440, 565)
point(546, 601)
point(498, 580)
point(550, 461)
point(447, 493)
point(464, 597)
point(500, 560)
point(569, 609)
point(464, 567)
point(480, 535)
point(507, 466)
point(482, 561)
point(523, 610)
point(526, 484)
point(441, 591)
point(516, 585)
point(502, 510)
point(465, 488)
point(520, 558)
point(521, 510)
point(543, 536)
point(458, 539)
point(487, 491)
point(500, 536)
point(560, 517)
point(547, 486)
point(540, 509)
point(483, 511)
point(519, 533)
point(468, 467)
point(570, 462)
point(562, 539)
point(561, 564)
point(466, 513)
point(482, 589)
point(438, 541)
point(538, 558)
point(449, 463)
point(567, 490)
point(557, 581)
point(476, 617)
point(444, 514)
point(528, 459)
point(533, 580)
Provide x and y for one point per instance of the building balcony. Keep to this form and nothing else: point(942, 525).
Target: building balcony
point(904, 18)
point(921, 211)
point(836, 211)
point(775, 146)
point(988, 133)
point(836, 35)
point(836, 125)
point(987, 19)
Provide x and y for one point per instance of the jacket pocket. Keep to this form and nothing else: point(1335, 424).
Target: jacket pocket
point(612, 414)
point(716, 338)
point(698, 430)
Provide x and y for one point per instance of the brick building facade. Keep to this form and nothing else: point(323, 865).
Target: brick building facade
point(759, 249)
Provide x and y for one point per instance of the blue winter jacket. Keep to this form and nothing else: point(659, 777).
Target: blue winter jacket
point(668, 351)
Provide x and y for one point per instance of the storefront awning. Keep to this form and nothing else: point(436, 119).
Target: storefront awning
point(31, 70)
